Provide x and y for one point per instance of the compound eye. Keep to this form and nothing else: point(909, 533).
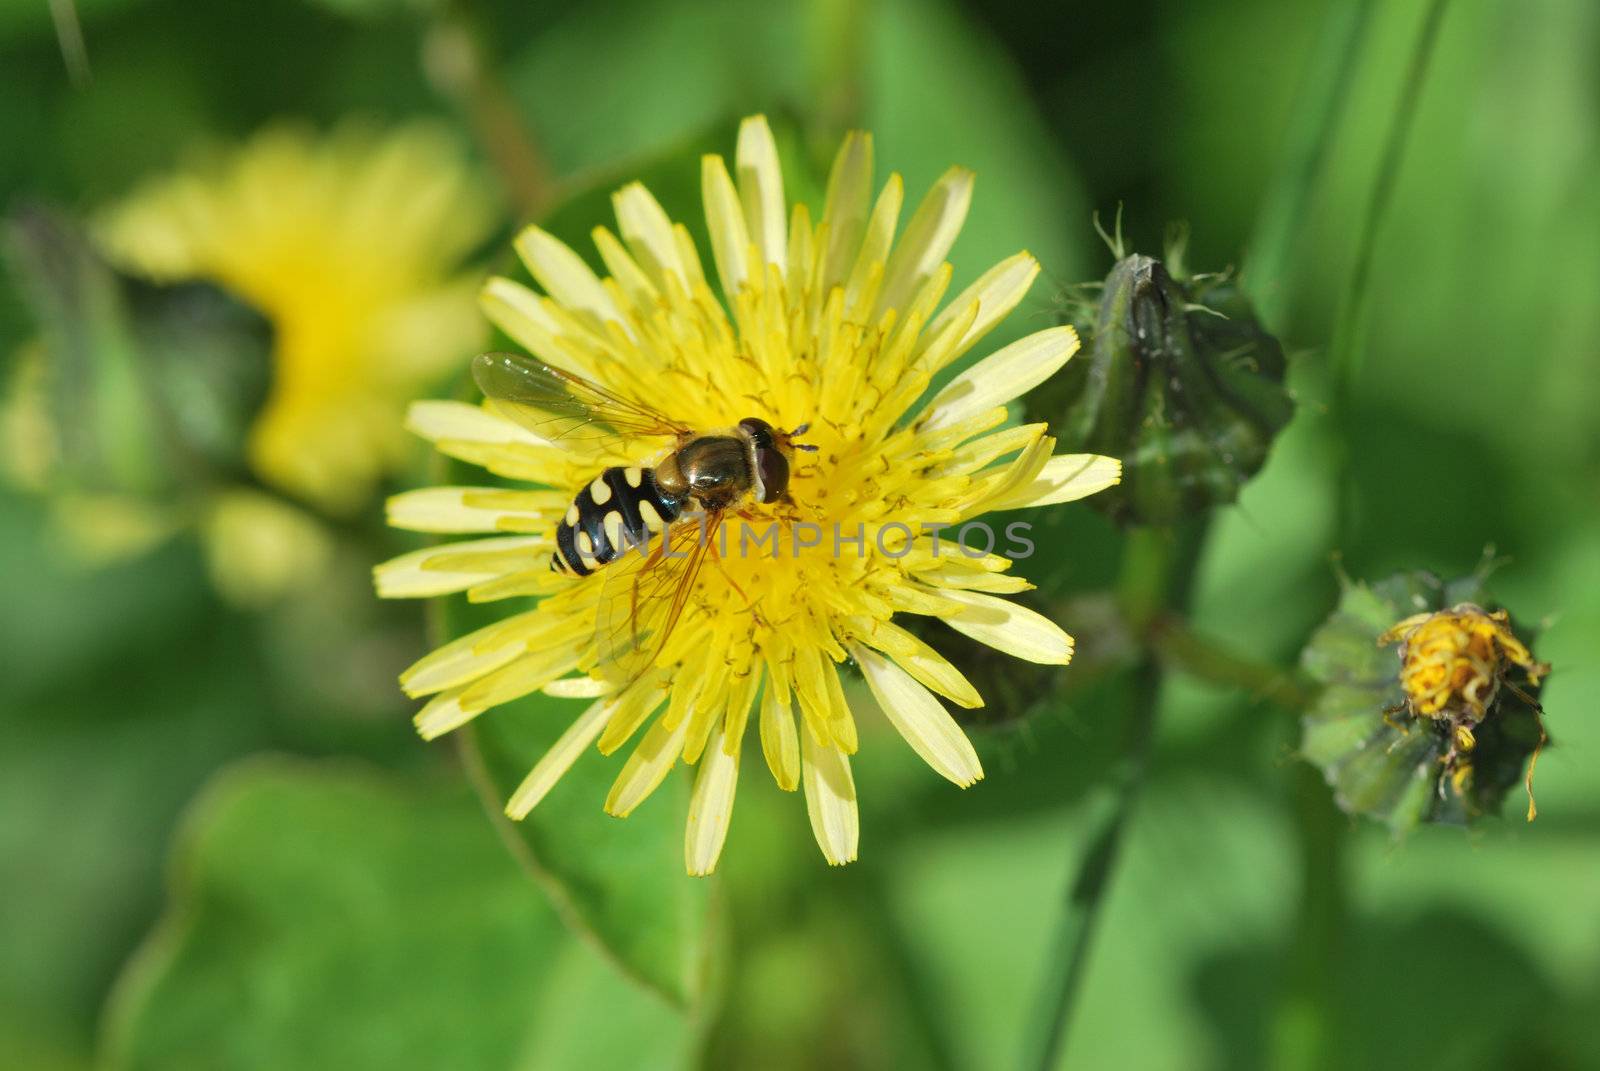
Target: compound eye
point(773, 468)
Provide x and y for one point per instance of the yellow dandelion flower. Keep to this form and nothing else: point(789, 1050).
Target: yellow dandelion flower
point(347, 244)
point(830, 328)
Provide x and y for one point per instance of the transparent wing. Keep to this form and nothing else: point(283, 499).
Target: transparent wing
point(645, 596)
point(561, 407)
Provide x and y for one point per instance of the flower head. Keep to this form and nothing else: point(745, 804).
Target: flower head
point(1452, 665)
point(1440, 735)
point(830, 325)
point(346, 244)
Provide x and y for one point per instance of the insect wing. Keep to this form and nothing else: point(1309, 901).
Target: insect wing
point(561, 408)
point(641, 604)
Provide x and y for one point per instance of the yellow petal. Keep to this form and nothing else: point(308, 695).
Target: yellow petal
point(442, 713)
point(996, 293)
point(761, 190)
point(730, 244)
point(559, 759)
point(928, 238)
point(460, 422)
point(646, 768)
point(648, 232)
point(563, 274)
point(638, 702)
point(926, 725)
point(1065, 478)
point(875, 245)
point(924, 663)
point(535, 669)
point(409, 577)
point(844, 212)
point(633, 280)
point(447, 510)
point(711, 805)
point(521, 313)
point(779, 743)
point(1002, 376)
point(830, 801)
point(469, 657)
point(1010, 628)
point(579, 688)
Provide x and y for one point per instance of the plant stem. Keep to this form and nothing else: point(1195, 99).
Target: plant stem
point(1069, 951)
point(1202, 657)
point(463, 68)
point(1304, 1031)
point(1348, 347)
point(1267, 271)
point(1156, 567)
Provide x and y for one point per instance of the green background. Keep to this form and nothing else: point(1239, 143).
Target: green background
point(221, 845)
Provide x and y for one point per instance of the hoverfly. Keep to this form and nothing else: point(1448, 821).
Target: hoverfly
point(672, 508)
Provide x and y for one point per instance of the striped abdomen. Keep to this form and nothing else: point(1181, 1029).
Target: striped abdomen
point(619, 511)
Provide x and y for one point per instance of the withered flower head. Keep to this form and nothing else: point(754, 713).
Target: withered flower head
point(1443, 734)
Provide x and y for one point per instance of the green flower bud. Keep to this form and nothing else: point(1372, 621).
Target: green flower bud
point(1179, 381)
point(1429, 709)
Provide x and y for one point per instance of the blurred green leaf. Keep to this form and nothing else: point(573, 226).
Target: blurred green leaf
point(970, 108)
point(621, 880)
point(104, 421)
point(145, 383)
point(327, 916)
point(121, 693)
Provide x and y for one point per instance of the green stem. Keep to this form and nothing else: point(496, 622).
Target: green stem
point(69, 36)
point(1304, 1027)
point(464, 69)
point(1348, 347)
point(897, 950)
point(1304, 1033)
point(1156, 568)
point(1278, 228)
point(1202, 657)
point(1069, 951)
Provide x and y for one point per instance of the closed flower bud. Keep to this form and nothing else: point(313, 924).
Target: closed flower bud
point(1180, 382)
point(1430, 705)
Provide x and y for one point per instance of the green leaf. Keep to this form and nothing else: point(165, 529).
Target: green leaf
point(325, 915)
point(621, 881)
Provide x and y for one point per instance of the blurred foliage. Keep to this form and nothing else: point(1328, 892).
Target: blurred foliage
point(128, 686)
point(308, 898)
point(150, 388)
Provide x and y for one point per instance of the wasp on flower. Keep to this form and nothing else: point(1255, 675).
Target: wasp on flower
point(814, 366)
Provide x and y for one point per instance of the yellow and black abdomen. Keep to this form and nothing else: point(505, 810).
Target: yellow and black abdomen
point(619, 511)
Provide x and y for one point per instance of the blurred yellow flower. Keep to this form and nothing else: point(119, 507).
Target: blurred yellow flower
point(349, 243)
point(259, 547)
point(829, 324)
